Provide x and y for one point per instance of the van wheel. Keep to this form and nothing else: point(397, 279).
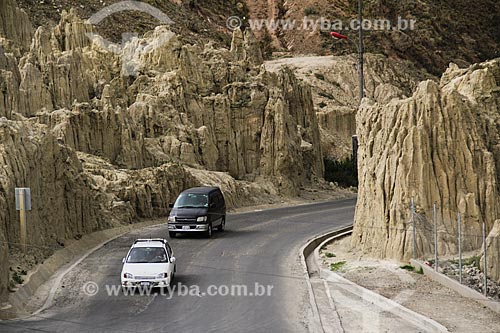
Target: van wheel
point(209, 231)
point(172, 234)
point(222, 225)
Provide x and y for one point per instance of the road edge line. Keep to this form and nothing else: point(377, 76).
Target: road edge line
point(305, 252)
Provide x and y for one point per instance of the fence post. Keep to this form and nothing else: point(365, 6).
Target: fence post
point(460, 248)
point(436, 263)
point(414, 231)
point(485, 283)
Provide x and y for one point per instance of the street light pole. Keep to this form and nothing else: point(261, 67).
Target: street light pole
point(361, 51)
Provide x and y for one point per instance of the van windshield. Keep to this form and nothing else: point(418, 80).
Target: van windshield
point(192, 200)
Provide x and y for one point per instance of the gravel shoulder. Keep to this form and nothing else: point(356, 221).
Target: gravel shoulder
point(415, 291)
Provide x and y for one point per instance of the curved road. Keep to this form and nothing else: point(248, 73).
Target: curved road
point(257, 248)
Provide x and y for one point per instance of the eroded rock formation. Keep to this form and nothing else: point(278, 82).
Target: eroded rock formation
point(335, 86)
point(442, 145)
point(105, 138)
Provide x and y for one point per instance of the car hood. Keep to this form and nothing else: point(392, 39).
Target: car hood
point(145, 269)
point(188, 212)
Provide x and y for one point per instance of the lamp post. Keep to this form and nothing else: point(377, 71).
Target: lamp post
point(360, 52)
point(359, 47)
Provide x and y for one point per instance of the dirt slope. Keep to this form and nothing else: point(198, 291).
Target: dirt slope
point(445, 31)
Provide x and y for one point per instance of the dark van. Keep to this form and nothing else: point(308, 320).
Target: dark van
point(199, 209)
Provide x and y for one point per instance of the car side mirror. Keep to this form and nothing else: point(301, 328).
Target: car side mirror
point(172, 260)
point(170, 205)
point(213, 205)
point(123, 260)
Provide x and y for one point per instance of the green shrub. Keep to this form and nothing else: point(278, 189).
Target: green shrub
point(408, 268)
point(344, 173)
point(17, 278)
point(310, 11)
point(337, 265)
point(329, 255)
point(472, 261)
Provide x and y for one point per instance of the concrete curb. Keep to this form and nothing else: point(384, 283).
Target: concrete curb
point(380, 301)
point(68, 257)
point(305, 251)
point(456, 286)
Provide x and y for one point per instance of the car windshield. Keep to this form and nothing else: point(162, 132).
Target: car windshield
point(142, 255)
point(192, 200)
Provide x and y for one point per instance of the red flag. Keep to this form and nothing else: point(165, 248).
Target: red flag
point(337, 35)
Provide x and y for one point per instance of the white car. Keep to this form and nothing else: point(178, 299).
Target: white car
point(149, 262)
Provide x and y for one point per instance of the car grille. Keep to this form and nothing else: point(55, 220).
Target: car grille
point(185, 220)
point(144, 277)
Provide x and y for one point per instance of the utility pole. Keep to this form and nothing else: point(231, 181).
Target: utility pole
point(361, 51)
point(22, 220)
point(414, 229)
point(23, 203)
point(485, 282)
point(460, 248)
point(436, 262)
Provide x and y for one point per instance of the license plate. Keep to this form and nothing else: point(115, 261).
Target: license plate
point(145, 283)
point(185, 227)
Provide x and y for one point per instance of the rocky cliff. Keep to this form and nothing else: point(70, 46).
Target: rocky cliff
point(335, 86)
point(442, 145)
point(445, 31)
point(106, 138)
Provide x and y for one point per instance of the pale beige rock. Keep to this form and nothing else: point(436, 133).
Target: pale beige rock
point(334, 82)
point(440, 145)
point(237, 193)
point(31, 157)
point(10, 79)
point(493, 253)
point(15, 25)
point(104, 139)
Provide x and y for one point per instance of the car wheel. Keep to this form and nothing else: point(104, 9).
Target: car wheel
point(209, 231)
point(223, 224)
point(172, 234)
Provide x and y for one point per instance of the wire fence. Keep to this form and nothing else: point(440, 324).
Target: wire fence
point(456, 236)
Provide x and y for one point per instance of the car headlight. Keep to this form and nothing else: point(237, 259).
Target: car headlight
point(201, 219)
point(171, 219)
point(128, 276)
point(162, 276)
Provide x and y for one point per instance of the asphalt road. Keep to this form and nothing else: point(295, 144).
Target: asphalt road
point(257, 248)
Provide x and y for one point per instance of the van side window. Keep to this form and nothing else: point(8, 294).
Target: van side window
point(169, 251)
point(213, 199)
